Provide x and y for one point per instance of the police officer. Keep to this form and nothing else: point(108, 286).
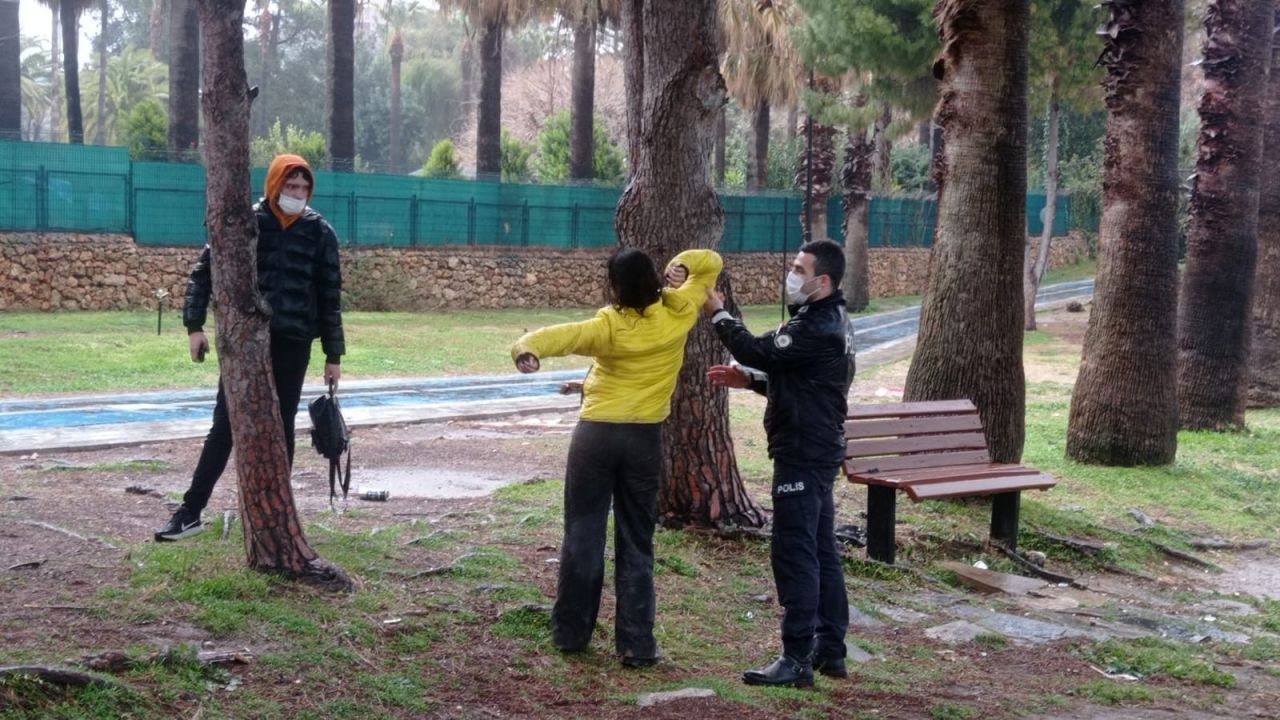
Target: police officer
point(805, 368)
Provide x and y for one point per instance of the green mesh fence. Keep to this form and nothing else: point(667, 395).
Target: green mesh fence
point(50, 187)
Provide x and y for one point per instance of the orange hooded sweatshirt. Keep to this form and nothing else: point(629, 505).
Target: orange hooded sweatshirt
point(281, 167)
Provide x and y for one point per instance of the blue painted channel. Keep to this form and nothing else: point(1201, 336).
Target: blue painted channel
point(87, 410)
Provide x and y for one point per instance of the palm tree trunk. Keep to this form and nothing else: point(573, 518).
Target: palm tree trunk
point(1124, 408)
point(100, 137)
point(489, 119)
point(55, 59)
point(758, 148)
point(71, 71)
point(856, 179)
point(970, 339)
point(341, 85)
point(793, 121)
point(1222, 241)
point(669, 205)
point(1036, 263)
point(397, 152)
point(184, 80)
point(268, 34)
point(582, 126)
point(1264, 354)
point(155, 30)
point(814, 207)
point(274, 541)
point(10, 73)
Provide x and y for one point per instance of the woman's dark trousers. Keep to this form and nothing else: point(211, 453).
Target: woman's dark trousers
point(621, 462)
point(289, 359)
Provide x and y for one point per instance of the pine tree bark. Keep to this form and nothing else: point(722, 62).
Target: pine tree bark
point(1124, 408)
point(70, 17)
point(970, 339)
point(674, 93)
point(1264, 353)
point(489, 119)
point(10, 73)
point(855, 176)
point(583, 82)
point(184, 80)
point(274, 541)
point(1038, 260)
point(340, 84)
point(1214, 313)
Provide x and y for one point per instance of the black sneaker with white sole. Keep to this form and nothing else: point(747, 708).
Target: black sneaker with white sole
point(183, 524)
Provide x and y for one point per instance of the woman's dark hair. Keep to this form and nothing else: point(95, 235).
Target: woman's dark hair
point(633, 280)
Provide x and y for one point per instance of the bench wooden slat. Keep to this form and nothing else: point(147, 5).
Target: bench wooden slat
point(912, 426)
point(916, 444)
point(873, 465)
point(911, 409)
point(991, 486)
point(978, 471)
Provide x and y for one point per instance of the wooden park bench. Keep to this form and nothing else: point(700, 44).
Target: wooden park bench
point(931, 450)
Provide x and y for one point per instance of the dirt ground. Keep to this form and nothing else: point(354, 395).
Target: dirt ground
point(69, 522)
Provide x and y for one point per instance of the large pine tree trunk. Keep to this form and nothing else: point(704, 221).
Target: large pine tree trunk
point(881, 166)
point(104, 10)
point(1264, 353)
point(970, 339)
point(71, 71)
point(1215, 300)
point(758, 148)
point(184, 80)
point(10, 73)
point(1124, 408)
point(674, 93)
point(489, 120)
point(583, 82)
point(856, 179)
point(397, 121)
point(1039, 260)
point(273, 535)
point(340, 82)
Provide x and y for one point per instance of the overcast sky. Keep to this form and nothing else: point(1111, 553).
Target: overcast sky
point(37, 21)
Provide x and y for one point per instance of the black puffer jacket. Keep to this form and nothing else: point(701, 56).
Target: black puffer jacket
point(298, 274)
point(809, 364)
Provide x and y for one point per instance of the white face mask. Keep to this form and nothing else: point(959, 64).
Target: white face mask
point(290, 205)
point(795, 289)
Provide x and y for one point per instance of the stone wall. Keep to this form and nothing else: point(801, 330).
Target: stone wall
point(110, 272)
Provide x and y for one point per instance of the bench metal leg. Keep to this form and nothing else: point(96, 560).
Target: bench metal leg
point(1004, 518)
point(881, 518)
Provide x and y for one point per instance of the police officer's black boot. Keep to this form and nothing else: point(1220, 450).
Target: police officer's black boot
point(830, 665)
point(785, 671)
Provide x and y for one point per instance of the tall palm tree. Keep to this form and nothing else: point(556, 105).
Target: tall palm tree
point(760, 69)
point(815, 172)
point(586, 16)
point(1214, 301)
point(184, 79)
point(104, 9)
point(970, 339)
point(69, 12)
point(493, 17)
point(395, 15)
point(340, 82)
point(1124, 408)
point(10, 73)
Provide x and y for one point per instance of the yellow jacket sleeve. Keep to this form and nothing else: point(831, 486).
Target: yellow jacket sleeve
point(589, 337)
point(704, 269)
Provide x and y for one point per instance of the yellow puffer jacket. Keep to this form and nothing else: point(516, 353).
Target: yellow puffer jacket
point(637, 357)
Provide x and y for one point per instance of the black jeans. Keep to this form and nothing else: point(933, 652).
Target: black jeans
point(621, 462)
point(289, 359)
point(806, 562)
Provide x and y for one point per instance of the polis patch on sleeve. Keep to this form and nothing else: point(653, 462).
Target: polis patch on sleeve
point(782, 341)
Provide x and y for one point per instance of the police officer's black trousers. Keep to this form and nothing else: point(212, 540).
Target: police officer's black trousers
point(289, 359)
point(806, 562)
point(622, 463)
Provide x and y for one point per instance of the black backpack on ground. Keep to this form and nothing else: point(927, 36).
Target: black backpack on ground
point(330, 438)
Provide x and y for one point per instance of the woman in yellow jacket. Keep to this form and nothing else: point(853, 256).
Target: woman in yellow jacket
point(615, 454)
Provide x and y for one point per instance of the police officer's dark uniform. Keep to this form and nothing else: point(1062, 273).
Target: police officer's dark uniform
point(805, 368)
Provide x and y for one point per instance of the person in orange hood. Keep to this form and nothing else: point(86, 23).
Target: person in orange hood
point(300, 278)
